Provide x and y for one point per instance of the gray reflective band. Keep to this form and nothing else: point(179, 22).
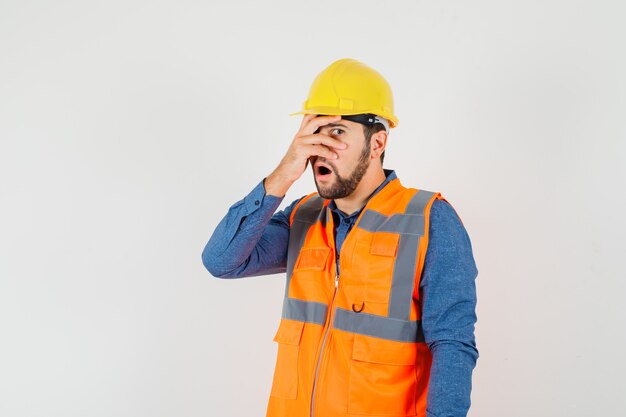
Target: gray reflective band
point(306, 215)
point(373, 221)
point(378, 326)
point(418, 203)
point(405, 265)
point(411, 222)
point(410, 226)
point(403, 278)
point(306, 311)
point(310, 211)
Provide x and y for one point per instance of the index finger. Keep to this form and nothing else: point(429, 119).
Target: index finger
point(318, 121)
point(305, 119)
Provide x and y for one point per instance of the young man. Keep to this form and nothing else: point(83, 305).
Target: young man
point(379, 309)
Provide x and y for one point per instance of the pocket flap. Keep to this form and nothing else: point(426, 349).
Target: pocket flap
point(384, 243)
point(312, 258)
point(289, 332)
point(375, 350)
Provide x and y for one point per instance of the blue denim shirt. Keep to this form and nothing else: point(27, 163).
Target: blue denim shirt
point(252, 240)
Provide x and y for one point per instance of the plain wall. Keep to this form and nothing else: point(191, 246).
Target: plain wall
point(127, 129)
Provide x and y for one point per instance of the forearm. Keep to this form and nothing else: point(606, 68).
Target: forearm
point(244, 243)
point(450, 383)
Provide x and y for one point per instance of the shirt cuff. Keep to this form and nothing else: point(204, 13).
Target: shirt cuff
point(258, 198)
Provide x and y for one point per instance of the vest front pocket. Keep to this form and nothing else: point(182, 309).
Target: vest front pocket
point(380, 266)
point(382, 377)
point(312, 259)
point(285, 383)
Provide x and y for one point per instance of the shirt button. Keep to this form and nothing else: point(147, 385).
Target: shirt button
point(346, 220)
point(257, 202)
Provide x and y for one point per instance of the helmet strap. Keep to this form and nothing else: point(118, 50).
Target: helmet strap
point(367, 119)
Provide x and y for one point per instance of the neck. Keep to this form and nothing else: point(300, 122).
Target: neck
point(370, 182)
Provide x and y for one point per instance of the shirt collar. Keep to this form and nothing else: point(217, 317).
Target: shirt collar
point(390, 176)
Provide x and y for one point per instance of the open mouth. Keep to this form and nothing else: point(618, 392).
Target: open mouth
point(322, 171)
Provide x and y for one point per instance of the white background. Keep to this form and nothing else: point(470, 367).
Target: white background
point(127, 129)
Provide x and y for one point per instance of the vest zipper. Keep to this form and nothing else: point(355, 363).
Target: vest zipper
point(319, 359)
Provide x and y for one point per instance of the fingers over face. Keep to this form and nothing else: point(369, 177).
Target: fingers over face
point(305, 120)
point(322, 139)
point(324, 151)
point(315, 122)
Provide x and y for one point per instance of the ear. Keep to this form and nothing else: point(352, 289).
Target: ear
point(378, 143)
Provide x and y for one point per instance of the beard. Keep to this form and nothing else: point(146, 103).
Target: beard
point(344, 186)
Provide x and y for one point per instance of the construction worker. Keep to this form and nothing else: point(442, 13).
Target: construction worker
point(379, 309)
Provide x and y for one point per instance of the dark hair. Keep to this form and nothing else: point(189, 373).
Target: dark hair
point(368, 131)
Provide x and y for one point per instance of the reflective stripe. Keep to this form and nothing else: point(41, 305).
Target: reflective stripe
point(373, 221)
point(309, 211)
point(400, 298)
point(418, 203)
point(297, 234)
point(378, 326)
point(306, 311)
point(411, 222)
point(306, 215)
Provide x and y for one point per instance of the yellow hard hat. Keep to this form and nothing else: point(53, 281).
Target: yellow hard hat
point(349, 87)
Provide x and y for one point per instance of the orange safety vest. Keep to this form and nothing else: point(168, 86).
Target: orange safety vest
point(353, 345)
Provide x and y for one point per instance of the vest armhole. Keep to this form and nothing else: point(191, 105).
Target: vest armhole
point(436, 196)
point(455, 212)
point(423, 245)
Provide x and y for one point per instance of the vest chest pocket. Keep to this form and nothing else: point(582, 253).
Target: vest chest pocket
point(312, 259)
point(285, 383)
point(384, 244)
point(380, 266)
point(310, 267)
point(382, 377)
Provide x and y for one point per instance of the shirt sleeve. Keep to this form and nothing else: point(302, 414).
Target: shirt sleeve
point(448, 295)
point(251, 239)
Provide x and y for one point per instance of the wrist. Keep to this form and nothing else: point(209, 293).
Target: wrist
point(276, 185)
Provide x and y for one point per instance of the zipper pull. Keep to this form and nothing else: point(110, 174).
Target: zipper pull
point(337, 281)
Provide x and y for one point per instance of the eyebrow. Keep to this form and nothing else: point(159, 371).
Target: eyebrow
point(337, 124)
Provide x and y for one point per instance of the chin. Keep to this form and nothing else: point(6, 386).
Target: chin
point(322, 190)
